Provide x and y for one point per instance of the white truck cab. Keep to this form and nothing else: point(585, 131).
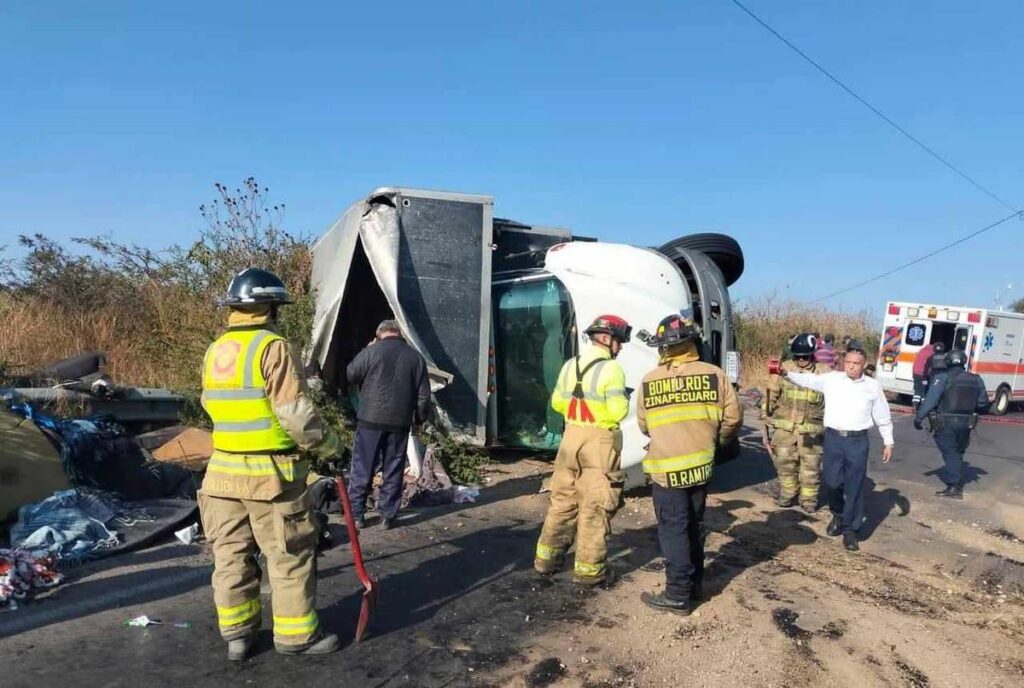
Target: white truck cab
point(496, 306)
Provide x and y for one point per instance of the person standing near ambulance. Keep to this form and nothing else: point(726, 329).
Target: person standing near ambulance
point(253, 498)
point(688, 408)
point(586, 485)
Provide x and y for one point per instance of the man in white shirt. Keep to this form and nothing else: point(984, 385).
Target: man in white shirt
point(853, 403)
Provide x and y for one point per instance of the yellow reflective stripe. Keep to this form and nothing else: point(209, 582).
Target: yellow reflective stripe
point(233, 616)
point(234, 394)
point(680, 463)
point(798, 394)
point(243, 426)
point(296, 625)
point(792, 426)
point(675, 414)
point(246, 465)
point(548, 553)
point(582, 568)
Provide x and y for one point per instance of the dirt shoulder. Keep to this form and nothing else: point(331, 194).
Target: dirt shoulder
point(929, 601)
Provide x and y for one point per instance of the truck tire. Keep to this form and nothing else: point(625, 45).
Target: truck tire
point(1001, 404)
point(722, 249)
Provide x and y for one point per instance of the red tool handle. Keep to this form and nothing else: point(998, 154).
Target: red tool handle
point(353, 533)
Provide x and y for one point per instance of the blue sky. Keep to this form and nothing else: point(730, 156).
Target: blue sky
point(632, 122)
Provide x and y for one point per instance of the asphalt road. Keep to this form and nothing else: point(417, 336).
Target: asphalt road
point(459, 601)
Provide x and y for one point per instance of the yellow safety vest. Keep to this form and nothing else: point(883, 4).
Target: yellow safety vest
point(591, 391)
point(235, 398)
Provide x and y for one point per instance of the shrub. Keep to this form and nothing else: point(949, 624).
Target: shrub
point(765, 325)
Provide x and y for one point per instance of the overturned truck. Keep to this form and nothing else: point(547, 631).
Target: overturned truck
point(496, 306)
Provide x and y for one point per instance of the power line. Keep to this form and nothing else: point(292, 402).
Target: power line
point(1016, 213)
point(873, 109)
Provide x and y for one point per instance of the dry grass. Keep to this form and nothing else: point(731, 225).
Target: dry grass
point(765, 325)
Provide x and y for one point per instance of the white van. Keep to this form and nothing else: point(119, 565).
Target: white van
point(992, 340)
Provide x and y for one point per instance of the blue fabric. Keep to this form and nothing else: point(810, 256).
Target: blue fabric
point(374, 450)
point(844, 470)
point(71, 525)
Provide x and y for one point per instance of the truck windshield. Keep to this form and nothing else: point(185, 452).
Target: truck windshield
point(533, 338)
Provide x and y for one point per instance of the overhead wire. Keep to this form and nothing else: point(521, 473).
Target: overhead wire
point(948, 246)
point(888, 120)
point(923, 146)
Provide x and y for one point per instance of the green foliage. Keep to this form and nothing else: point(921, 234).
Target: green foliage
point(462, 462)
point(152, 311)
point(1017, 306)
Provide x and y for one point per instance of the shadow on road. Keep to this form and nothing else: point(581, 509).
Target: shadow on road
point(753, 542)
point(879, 505)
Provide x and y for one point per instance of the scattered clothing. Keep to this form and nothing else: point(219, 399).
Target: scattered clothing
point(70, 526)
point(22, 572)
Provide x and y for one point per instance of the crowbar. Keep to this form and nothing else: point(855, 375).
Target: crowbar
point(370, 593)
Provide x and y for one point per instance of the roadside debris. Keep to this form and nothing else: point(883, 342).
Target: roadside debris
point(143, 621)
point(191, 449)
point(21, 573)
point(188, 535)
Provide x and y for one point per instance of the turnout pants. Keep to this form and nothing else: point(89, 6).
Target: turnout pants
point(845, 469)
point(680, 515)
point(378, 450)
point(797, 458)
point(952, 443)
point(586, 487)
point(281, 528)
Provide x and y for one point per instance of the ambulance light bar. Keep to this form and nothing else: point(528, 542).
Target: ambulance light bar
point(913, 312)
point(974, 317)
point(953, 315)
point(894, 309)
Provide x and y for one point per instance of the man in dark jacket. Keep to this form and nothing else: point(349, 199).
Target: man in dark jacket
point(955, 397)
point(394, 395)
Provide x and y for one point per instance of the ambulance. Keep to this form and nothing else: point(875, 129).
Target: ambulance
point(992, 340)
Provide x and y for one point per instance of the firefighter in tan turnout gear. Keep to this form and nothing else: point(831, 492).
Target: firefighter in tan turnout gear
point(796, 418)
point(688, 408)
point(587, 482)
point(254, 497)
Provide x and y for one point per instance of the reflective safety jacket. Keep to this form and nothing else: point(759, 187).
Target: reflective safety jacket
point(234, 394)
point(687, 408)
point(256, 394)
point(591, 390)
point(793, 408)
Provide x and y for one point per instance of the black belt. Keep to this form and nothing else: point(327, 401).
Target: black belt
point(846, 433)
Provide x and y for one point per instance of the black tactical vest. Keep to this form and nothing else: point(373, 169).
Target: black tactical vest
point(961, 395)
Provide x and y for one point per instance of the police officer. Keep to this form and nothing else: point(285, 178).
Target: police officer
point(955, 397)
point(586, 485)
point(796, 416)
point(254, 492)
point(687, 408)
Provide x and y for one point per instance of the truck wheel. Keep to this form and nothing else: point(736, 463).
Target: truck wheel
point(1001, 404)
point(722, 249)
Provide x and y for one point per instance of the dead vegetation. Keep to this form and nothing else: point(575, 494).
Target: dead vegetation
point(152, 311)
point(765, 325)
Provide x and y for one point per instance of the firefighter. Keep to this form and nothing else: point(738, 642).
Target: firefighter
point(253, 498)
point(688, 408)
point(796, 418)
point(586, 486)
point(955, 397)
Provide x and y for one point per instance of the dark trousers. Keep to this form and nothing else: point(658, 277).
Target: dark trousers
point(378, 450)
point(920, 388)
point(952, 442)
point(844, 469)
point(680, 513)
